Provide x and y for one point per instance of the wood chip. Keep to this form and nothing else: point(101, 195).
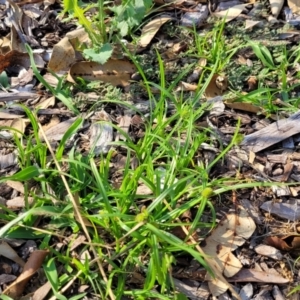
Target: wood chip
point(283, 210)
point(250, 275)
point(189, 291)
point(246, 292)
point(288, 143)
point(277, 158)
point(288, 168)
point(17, 96)
point(273, 133)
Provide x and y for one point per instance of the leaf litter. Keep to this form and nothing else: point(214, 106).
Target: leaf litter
point(226, 243)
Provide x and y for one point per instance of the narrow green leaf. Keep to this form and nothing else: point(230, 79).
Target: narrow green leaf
point(26, 174)
point(51, 273)
point(71, 130)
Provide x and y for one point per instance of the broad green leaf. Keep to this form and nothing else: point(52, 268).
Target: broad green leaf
point(123, 27)
point(4, 80)
point(101, 56)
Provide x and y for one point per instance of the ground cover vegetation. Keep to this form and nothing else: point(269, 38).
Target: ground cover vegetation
point(153, 154)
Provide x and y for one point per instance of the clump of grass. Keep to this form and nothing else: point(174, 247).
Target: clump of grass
point(128, 236)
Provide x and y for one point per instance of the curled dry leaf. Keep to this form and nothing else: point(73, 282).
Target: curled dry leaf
point(34, 262)
point(150, 30)
point(63, 56)
point(217, 86)
point(230, 233)
point(14, 19)
point(15, 57)
point(115, 72)
point(252, 83)
point(287, 243)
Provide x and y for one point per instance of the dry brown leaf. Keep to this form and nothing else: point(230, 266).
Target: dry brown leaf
point(230, 233)
point(48, 102)
point(42, 291)
point(250, 24)
point(276, 6)
point(287, 243)
point(186, 87)
point(268, 251)
point(294, 5)
point(8, 252)
point(252, 83)
point(17, 123)
point(63, 56)
point(150, 29)
point(18, 58)
point(5, 115)
point(16, 185)
point(115, 72)
point(78, 36)
point(249, 107)
point(15, 19)
point(172, 52)
point(5, 46)
point(231, 13)
point(18, 202)
point(6, 278)
point(34, 262)
point(216, 87)
point(51, 80)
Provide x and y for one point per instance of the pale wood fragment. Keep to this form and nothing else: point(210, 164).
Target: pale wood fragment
point(272, 134)
point(277, 158)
